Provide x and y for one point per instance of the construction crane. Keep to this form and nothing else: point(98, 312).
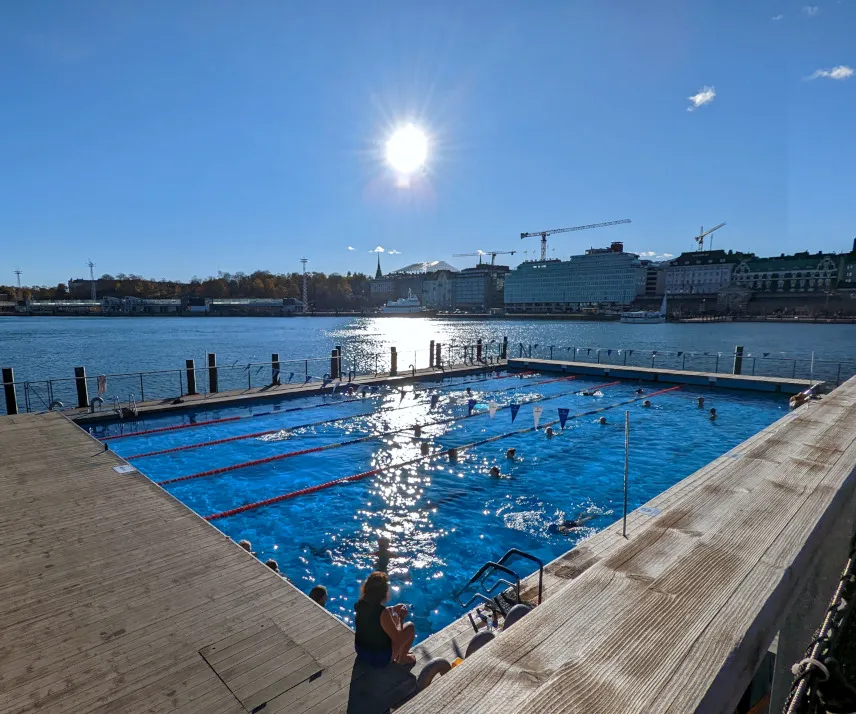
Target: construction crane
point(480, 253)
point(544, 234)
point(703, 233)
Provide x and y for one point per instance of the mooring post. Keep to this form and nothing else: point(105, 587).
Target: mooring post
point(626, 466)
point(190, 366)
point(334, 360)
point(505, 347)
point(438, 358)
point(9, 390)
point(738, 360)
point(212, 373)
point(431, 355)
point(479, 350)
point(339, 362)
point(274, 369)
point(393, 362)
point(82, 391)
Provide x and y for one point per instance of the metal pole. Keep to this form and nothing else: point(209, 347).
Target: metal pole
point(212, 373)
point(626, 465)
point(684, 364)
point(9, 389)
point(811, 371)
point(142, 391)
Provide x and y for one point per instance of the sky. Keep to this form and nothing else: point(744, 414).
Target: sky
point(180, 139)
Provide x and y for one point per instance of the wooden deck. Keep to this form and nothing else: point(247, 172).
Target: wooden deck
point(677, 617)
point(273, 393)
point(785, 385)
point(114, 597)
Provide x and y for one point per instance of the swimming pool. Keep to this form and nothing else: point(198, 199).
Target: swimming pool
point(445, 520)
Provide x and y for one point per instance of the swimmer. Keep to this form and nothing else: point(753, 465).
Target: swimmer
point(494, 471)
point(319, 595)
point(453, 455)
point(469, 392)
point(511, 453)
point(646, 404)
point(383, 554)
point(602, 421)
point(712, 413)
point(701, 402)
point(247, 546)
point(568, 526)
point(549, 432)
point(272, 564)
point(350, 391)
point(424, 448)
point(640, 391)
point(417, 430)
point(588, 393)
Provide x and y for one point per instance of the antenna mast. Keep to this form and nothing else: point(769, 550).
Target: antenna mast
point(91, 280)
point(18, 273)
point(305, 287)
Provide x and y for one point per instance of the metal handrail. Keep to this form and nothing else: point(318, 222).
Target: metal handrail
point(478, 577)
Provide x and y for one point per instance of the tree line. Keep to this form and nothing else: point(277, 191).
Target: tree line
point(325, 292)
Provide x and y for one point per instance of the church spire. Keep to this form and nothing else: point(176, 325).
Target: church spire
point(378, 274)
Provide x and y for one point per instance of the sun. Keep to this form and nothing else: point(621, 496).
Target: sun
point(407, 149)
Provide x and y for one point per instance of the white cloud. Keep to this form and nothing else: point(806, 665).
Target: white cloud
point(350, 247)
point(776, 18)
point(647, 254)
point(665, 256)
point(393, 251)
point(839, 72)
point(704, 96)
point(379, 249)
point(810, 10)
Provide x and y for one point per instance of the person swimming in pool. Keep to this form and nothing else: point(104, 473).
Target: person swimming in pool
point(494, 471)
point(701, 402)
point(646, 404)
point(549, 432)
point(511, 453)
point(712, 414)
point(602, 421)
point(566, 526)
point(383, 554)
point(469, 392)
point(640, 391)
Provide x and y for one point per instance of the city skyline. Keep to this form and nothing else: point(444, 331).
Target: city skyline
point(206, 137)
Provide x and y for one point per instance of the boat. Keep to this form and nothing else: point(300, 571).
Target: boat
point(645, 317)
point(405, 306)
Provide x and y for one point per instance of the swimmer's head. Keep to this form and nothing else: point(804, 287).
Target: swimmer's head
point(639, 390)
point(453, 454)
point(272, 564)
point(383, 542)
point(469, 391)
point(602, 420)
point(712, 413)
point(646, 403)
point(424, 448)
point(494, 470)
point(549, 431)
point(511, 453)
point(701, 401)
point(246, 545)
point(417, 430)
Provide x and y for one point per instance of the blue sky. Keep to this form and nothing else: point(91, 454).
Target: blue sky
point(182, 138)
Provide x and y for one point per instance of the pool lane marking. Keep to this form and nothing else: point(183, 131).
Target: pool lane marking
point(267, 432)
point(428, 457)
point(348, 442)
point(222, 420)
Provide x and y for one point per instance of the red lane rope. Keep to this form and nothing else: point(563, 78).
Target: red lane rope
point(349, 442)
point(257, 434)
point(381, 469)
point(176, 427)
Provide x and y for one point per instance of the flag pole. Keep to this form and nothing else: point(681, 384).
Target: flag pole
point(626, 465)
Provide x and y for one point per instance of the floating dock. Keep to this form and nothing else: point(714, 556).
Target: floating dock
point(784, 385)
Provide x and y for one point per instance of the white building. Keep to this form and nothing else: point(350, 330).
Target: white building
point(702, 272)
point(603, 277)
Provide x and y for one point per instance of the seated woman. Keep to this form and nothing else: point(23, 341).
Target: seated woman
point(382, 636)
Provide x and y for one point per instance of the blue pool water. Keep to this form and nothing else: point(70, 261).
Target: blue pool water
point(445, 520)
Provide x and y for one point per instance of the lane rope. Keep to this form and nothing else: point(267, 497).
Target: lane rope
point(268, 432)
point(428, 457)
point(349, 442)
point(177, 427)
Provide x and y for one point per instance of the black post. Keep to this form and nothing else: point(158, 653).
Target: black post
point(82, 391)
point(479, 350)
point(274, 369)
point(393, 362)
point(339, 361)
point(190, 366)
point(9, 390)
point(738, 359)
point(505, 347)
point(431, 355)
point(212, 373)
point(438, 359)
point(334, 361)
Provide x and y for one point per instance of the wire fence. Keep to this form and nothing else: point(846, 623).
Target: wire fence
point(763, 364)
point(126, 390)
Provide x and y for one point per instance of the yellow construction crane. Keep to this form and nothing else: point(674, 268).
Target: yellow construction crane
point(544, 234)
point(699, 239)
point(480, 253)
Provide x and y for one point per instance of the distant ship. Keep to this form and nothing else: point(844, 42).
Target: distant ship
point(405, 306)
point(646, 317)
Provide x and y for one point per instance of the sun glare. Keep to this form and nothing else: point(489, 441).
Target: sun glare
point(407, 149)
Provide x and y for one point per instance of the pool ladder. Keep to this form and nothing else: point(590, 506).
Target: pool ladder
point(496, 596)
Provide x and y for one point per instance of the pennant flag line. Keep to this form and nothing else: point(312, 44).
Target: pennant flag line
point(563, 416)
point(514, 409)
point(536, 414)
point(491, 408)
